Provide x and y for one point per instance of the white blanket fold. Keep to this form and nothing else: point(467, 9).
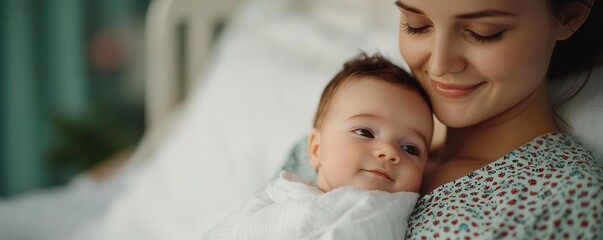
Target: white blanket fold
point(292, 209)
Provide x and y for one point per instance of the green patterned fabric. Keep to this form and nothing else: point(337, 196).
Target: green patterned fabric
point(297, 162)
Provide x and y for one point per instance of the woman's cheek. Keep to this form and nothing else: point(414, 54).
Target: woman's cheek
point(416, 53)
point(413, 52)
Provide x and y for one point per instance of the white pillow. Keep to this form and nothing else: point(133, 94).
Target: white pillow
point(237, 129)
point(583, 113)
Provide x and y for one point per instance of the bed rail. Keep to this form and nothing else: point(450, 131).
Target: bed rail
point(178, 35)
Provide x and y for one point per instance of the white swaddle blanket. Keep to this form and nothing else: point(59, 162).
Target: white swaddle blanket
point(290, 208)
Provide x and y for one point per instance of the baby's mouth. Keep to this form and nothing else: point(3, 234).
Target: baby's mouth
point(380, 173)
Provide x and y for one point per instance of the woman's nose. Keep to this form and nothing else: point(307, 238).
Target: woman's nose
point(388, 153)
point(445, 57)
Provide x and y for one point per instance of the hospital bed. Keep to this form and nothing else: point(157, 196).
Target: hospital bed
point(225, 109)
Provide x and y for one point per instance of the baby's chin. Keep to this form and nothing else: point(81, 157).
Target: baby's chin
point(371, 186)
point(371, 181)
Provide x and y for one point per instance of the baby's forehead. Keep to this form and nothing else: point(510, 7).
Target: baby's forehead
point(369, 91)
point(350, 89)
point(407, 83)
point(396, 105)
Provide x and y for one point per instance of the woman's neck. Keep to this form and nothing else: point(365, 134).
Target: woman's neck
point(488, 141)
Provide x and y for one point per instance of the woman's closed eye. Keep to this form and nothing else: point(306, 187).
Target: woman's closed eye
point(367, 133)
point(414, 30)
point(486, 39)
point(483, 39)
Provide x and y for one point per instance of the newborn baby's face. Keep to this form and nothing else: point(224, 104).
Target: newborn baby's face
point(375, 136)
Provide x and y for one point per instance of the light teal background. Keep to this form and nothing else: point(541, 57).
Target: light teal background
point(45, 74)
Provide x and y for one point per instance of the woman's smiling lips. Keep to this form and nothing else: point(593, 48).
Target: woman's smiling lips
point(452, 90)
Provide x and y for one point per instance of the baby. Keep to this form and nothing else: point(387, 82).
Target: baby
point(372, 131)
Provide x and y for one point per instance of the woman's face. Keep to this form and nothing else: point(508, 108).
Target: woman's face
point(477, 59)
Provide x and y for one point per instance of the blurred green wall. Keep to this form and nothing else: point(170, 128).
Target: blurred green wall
point(58, 113)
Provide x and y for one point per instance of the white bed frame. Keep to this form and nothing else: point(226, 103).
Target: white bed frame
point(179, 36)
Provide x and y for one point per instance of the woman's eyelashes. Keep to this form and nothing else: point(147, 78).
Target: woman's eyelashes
point(414, 30)
point(410, 30)
point(486, 39)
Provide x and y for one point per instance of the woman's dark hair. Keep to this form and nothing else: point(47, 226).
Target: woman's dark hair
point(577, 54)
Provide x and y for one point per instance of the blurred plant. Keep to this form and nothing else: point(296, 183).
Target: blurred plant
point(85, 141)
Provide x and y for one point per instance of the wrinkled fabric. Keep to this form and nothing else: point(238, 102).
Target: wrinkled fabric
point(290, 208)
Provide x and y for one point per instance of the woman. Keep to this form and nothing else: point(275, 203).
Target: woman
point(503, 169)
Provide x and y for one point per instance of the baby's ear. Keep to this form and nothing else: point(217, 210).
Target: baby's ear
point(313, 146)
point(572, 16)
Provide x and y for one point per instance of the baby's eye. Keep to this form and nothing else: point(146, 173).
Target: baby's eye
point(411, 150)
point(365, 133)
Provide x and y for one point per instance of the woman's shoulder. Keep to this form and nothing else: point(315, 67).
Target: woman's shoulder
point(557, 153)
point(554, 163)
point(553, 144)
point(550, 186)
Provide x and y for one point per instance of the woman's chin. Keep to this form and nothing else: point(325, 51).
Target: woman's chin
point(455, 119)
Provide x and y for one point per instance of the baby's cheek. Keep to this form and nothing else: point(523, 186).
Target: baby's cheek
point(412, 177)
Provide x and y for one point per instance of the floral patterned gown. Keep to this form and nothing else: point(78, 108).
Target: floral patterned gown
point(549, 188)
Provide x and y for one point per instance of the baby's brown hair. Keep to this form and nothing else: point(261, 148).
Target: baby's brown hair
point(375, 66)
